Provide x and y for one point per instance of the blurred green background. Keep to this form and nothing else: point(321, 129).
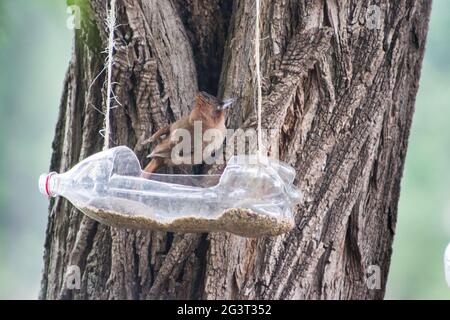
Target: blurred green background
point(35, 47)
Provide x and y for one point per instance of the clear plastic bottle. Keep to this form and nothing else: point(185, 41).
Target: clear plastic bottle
point(253, 197)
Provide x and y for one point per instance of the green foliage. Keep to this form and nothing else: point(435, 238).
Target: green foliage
point(3, 23)
point(34, 54)
point(423, 227)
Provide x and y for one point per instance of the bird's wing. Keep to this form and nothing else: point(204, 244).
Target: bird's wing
point(158, 134)
point(164, 148)
point(161, 132)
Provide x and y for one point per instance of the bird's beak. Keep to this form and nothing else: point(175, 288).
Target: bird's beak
point(226, 103)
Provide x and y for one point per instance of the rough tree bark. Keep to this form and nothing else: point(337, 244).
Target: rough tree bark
point(340, 95)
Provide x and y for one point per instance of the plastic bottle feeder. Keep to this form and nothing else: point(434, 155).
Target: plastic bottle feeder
point(253, 197)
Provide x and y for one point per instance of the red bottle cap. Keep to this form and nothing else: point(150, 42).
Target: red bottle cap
point(44, 184)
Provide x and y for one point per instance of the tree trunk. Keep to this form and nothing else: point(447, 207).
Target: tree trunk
point(339, 93)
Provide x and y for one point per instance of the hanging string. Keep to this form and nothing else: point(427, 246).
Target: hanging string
point(111, 25)
point(258, 77)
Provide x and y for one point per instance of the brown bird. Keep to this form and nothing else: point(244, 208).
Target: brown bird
point(210, 111)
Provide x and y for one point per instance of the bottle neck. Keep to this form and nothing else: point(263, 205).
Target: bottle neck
point(48, 184)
